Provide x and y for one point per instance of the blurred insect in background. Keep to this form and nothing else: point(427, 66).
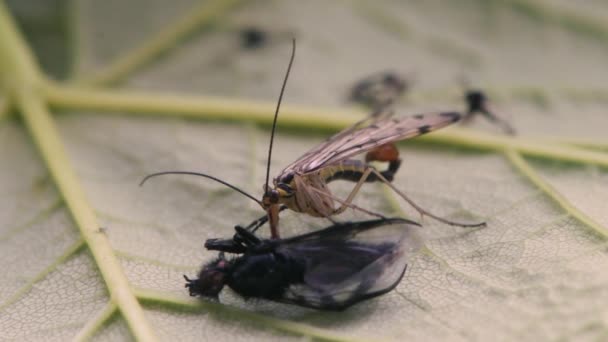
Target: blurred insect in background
point(379, 90)
point(329, 269)
point(478, 103)
point(253, 37)
point(302, 186)
point(256, 37)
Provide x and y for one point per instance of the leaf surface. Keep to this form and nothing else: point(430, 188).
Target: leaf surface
point(148, 86)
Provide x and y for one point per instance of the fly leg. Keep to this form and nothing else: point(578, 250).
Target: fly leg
point(255, 225)
point(383, 153)
point(506, 127)
point(243, 237)
point(421, 210)
point(347, 203)
point(370, 175)
point(360, 172)
point(477, 102)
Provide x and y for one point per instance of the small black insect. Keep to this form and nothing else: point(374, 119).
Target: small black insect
point(253, 37)
point(329, 269)
point(477, 102)
point(378, 90)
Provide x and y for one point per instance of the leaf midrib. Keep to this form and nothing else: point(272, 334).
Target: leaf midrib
point(24, 79)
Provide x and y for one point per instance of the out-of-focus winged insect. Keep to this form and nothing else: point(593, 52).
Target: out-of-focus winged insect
point(302, 186)
point(477, 102)
point(329, 269)
point(253, 37)
point(379, 90)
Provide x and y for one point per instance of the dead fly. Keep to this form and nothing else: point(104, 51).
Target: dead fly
point(329, 269)
point(302, 186)
point(477, 102)
point(378, 90)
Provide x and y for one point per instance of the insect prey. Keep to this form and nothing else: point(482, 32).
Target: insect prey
point(303, 185)
point(478, 103)
point(329, 269)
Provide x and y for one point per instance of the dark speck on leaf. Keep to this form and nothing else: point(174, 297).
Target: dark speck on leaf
point(253, 38)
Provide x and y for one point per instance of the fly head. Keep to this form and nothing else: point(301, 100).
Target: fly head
point(211, 278)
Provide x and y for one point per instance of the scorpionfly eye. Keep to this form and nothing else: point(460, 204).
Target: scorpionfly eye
point(271, 196)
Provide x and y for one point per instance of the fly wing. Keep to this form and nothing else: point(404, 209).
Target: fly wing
point(366, 135)
point(331, 142)
point(348, 263)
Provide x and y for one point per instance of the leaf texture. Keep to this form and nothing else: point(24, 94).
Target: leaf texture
point(144, 86)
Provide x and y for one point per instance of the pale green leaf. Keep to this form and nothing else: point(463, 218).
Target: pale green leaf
point(143, 86)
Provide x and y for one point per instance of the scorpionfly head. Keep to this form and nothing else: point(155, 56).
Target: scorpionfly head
point(273, 196)
point(270, 197)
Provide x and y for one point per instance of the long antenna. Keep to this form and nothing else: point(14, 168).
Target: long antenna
point(276, 113)
point(201, 175)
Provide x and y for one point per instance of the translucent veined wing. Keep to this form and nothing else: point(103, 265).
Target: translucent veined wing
point(380, 113)
point(367, 134)
point(348, 263)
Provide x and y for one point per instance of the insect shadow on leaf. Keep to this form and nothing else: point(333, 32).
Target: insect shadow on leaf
point(303, 185)
point(329, 269)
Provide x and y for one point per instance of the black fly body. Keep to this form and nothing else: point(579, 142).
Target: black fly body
point(329, 269)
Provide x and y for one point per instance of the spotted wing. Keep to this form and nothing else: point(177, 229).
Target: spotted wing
point(366, 135)
point(348, 263)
